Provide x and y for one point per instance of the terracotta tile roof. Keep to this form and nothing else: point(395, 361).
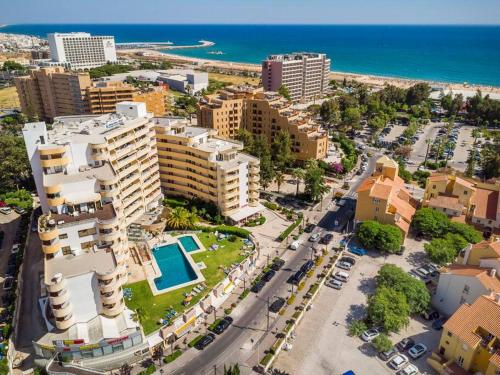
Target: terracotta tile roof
point(404, 208)
point(463, 182)
point(443, 201)
point(366, 184)
point(381, 191)
point(487, 204)
point(484, 313)
point(438, 177)
point(495, 246)
point(495, 359)
point(403, 225)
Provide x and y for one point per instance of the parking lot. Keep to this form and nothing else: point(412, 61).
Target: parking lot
point(323, 346)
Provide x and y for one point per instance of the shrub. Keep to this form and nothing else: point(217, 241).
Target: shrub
point(270, 205)
point(212, 326)
point(301, 285)
point(194, 341)
point(382, 343)
point(357, 327)
point(290, 229)
point(227, 229)
point(244, 294)
point(150, 370)
point(172, 357)
point(232, 238)
point(228, 311)
point(291, 299)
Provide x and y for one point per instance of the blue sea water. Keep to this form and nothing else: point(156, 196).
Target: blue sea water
point(439, 53)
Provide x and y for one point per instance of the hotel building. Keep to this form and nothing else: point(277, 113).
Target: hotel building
point(304, 74)
point(263, 113)
point(195, 163)
point(95, 175)
point(51, 92)
point(81, 50)
point(383, 197)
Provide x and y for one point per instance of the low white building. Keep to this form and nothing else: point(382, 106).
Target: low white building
point(184, 80)
point(461, 284)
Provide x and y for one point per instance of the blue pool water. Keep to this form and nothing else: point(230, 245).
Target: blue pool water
point(189, 244)
point(174, 267)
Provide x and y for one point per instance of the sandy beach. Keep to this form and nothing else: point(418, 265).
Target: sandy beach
point(371, 80)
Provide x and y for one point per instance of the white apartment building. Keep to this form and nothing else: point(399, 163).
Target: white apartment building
point(304, 74)
point(195, 163)
point(81, 50)
point(95, 175)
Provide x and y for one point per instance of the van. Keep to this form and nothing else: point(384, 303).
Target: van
point(342, 276)
point(294, 245)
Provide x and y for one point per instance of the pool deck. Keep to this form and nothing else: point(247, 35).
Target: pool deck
point(169, 240)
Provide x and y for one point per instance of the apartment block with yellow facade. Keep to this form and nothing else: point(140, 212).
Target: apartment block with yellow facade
point(383, 197)
point(263, 113)
point(470, 342)
point(196, 163)
point(474, 202)
point(95, 175)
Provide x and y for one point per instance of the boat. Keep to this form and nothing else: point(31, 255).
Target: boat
point(215, 53)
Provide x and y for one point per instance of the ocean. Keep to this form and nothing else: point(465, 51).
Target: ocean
point(455, 54)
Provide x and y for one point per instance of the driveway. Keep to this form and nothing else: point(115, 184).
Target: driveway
point(464, 145)
point(419, 149)
point(323, 346)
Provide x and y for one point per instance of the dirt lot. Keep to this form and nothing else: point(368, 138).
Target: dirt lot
point(9, 98)
point(233, 79)
point(323, 346)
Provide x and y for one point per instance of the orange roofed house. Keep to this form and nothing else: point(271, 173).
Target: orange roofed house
point(465, 201)
point(470, 342)
point(384, 198)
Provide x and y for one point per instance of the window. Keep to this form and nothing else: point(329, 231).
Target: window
point(466, 289)
point(86, 232)
point(433, 186)
point(377, 209)
point(465, 192)
point(449, 334)
point(66, 250)
point(63, 236)
point(460, 361)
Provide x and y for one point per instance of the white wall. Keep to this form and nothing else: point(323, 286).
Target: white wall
point(243, 172)
point(73, 240)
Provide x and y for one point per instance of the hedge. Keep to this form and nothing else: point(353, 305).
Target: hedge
point(290, 229)
point(212, 326)
point(267, 358)
point(244, 294)
point(194, 341)
point(172, 357)
point(150, 370)
point(227, 229)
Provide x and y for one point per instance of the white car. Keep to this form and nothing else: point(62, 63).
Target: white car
point(295, 245)
point(335, 284)
point(409, 370)
point(15, 248)
point(398, 361)
point(5, 210)
point(370, 334)
point(344, 265)
point(314, 237)
point(417, 350)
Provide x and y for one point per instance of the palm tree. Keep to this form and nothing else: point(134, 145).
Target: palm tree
point(232, 370)
point(298, 174)
point(179, 218)
point(140, 315)
point(429, 142)
point(279, 179)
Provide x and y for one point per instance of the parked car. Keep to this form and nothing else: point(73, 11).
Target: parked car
point(370, 334)
point(405, 344)
point(297, 277)
point(398, 361)
point(257, 287)
point(409, 370)
point(335, 284)
point(314, 237)
point(388, 354)
point(8, 283)
point(19, 210)
point(349, 260)
point(268, 275)
point(344, 265)
point(277, 305)
point(326, 239)
point(295, 245)
point(205, 341)
point(417, 350)
point(15, 248)
point(438, 324)
point(12, 260)
point(430, 314)
point(307, 266)
point(309, 228)
point(277, 264)
point(342, 276)
point(5, 210)
point(223, 324)
point(357, 251)
point(423, 272)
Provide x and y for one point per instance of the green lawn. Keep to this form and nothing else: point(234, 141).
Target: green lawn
point(156, 306)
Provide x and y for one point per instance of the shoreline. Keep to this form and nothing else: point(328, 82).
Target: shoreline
point(369, 79)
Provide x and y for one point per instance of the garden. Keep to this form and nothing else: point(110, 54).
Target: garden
point(229, 252)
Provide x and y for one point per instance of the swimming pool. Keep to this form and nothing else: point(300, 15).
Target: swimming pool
point(188, 243)
point(174, 266)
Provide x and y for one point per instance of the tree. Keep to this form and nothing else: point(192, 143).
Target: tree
point(466, 231)
point(415, 291)
point(490, 160)
point(430, 222)
point(382, 343)
point(403, 151)
point(284, 92)
point(441, 251)
point(298, 174)
point(140, 315)
point(247, 138)
point(232, 370)
point(389, 309)
point(383, 237)
point(368, 232)
point(314, 181)
point(282, 150)
point(260, 149)
point(377, 122)
point(279, 179)
point(417, 93)
point(15, 170)
point(357, 327)
point(350, 118)
point(12, 65)
point(329, 111)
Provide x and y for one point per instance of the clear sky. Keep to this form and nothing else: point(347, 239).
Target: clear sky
point(252, 11)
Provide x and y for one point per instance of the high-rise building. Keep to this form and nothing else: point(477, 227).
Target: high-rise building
point(51, 92)
point(195, 163)
point(95, 175)
point(81, 50)
point(264, 113)
point(305, 75)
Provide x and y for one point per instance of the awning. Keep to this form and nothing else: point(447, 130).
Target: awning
point(180, 331)
point(245, 212)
